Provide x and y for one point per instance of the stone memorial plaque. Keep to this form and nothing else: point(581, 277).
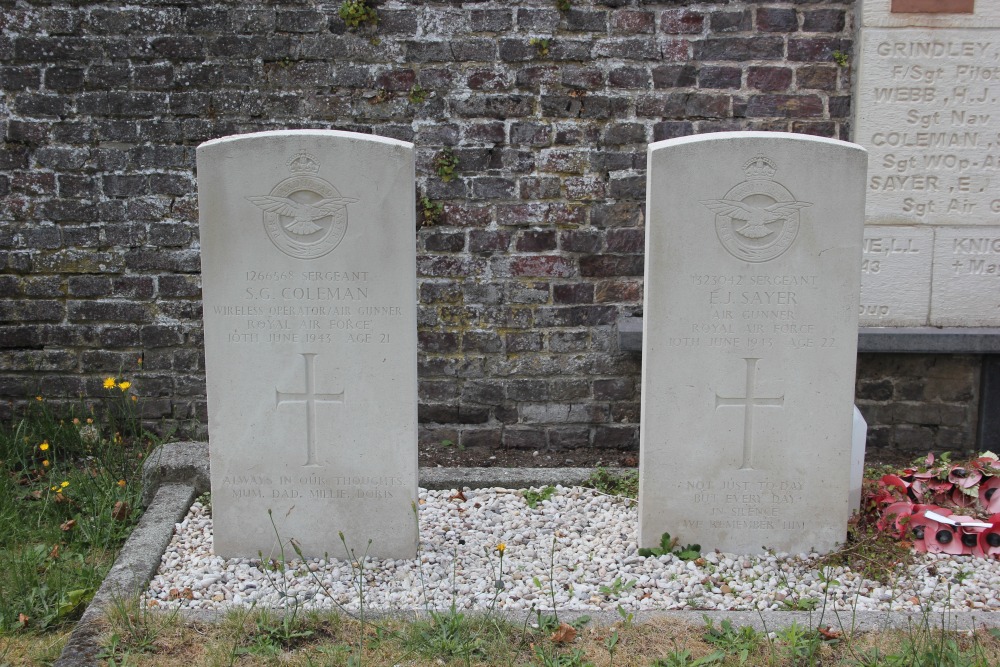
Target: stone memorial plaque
point(926, 108)
point(309, 290)
point(966, 288)
point(896, 276)
point(752, 279)
point(927, 112)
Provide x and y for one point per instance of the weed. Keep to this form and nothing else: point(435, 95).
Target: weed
point(430, 215)
point(740, 642)
point(417, 94)
point(69, 496)
point(445, 164)
point(532, 497)
point(628, 618)
point(801, 643)
point(549, 657)
point(840, 58)
point(446, 635)
point(668, 545)
point(563, 5)
point(799, 604)
point(356, 13)
point(682, 658)
point(624, 484)
point(541, 45)
point(616, 588)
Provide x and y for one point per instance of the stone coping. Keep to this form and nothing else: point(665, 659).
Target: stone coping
point(906, 340)
point(177, 473)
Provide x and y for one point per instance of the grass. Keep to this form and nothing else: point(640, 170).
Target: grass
point(69, 496)
point(449, 638)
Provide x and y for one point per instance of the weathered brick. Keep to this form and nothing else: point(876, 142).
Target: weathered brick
point(720, 77)
point(769, 78)
point(573, 293)
point(681, 21)
point(629, 77)
point(816, 49)
point(738, 49)
point(785, 106)
point(632, 22)
point(731, 21)
point(824, 20)
point(777, 19)
point(603, 266)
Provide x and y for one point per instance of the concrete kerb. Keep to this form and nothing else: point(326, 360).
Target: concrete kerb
point(177, 473)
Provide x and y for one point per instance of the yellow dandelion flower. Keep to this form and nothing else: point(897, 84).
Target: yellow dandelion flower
point(124, 385)
point(501, 548)
point(39, 398)
point(134, 398)
point(64, 484)
point(76, 421)
point(45, 463)
point(121, 483)
point(44, 446)
point(56, 488)
point(109, 383)
point(89, 420)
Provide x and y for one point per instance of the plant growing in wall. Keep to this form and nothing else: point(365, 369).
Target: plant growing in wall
point(430, 215)
point(356, 13)
point(563, 5)
point(445, 164)
point(541, 45)
point(417, 94)
point(840, 58)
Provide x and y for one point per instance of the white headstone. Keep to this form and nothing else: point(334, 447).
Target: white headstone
point(926, 107)
point(753, 254)
point(309, 290)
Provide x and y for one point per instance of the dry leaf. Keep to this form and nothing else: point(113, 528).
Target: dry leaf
point(173, 594)
point(23, 620)
point(67, 525)
point(187, 594)
point(828, 633)
point(120, 511)
point(54, 553)
point(564, 634)
point(34, 495)
point(458, 495)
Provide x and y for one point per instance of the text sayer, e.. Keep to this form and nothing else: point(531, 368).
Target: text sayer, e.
point(720, 298)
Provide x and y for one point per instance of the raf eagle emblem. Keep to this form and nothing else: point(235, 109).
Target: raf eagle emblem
point(303, 215)
point(755, 218)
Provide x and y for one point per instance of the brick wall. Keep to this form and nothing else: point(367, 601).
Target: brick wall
point(539, 247)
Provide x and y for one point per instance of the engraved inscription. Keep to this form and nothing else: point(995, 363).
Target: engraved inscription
point(758, 219)
point(304, 216)
point(745, 504)
point(748, 402)
point(308, 307)
point(310, 398)
point(753, 312)
point(927, 114)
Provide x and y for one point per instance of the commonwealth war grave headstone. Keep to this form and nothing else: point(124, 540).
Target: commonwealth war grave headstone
point(926, 107)
point(309, 290)
point(753, 252)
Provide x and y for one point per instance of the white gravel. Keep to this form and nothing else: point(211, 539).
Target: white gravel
point(580, 539)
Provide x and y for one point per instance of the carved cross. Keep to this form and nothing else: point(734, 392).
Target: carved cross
point(310, 398)
point(748, 402)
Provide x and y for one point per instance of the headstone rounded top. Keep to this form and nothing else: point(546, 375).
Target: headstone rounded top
point(749, 136)
point(291, 134)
